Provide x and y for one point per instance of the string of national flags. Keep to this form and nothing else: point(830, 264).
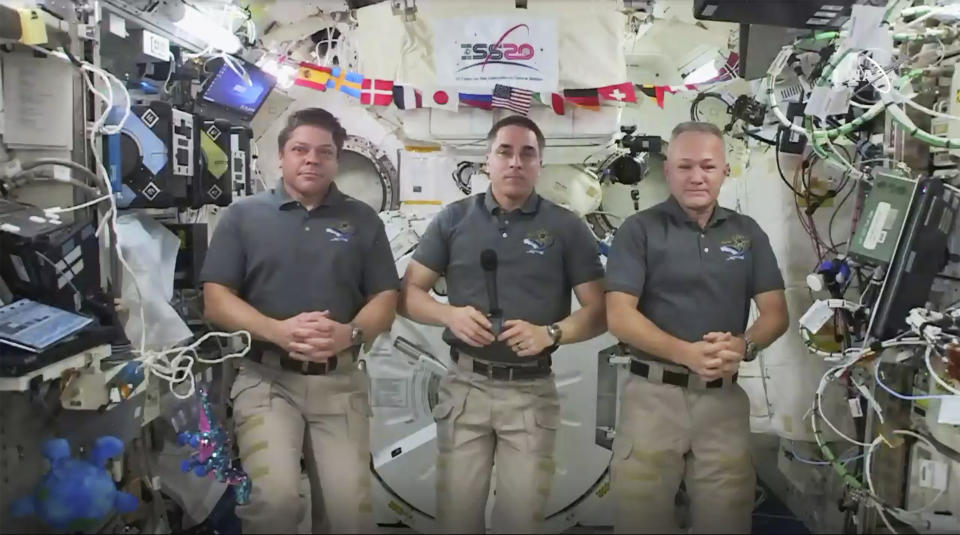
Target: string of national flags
point(375, 92)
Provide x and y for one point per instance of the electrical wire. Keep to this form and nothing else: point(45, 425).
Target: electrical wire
point(836, 211)
point(43, 162)
point(868, 469)
point(26, 179)
point(780, 168)
point(99, 126)
point(179, 368)
point(58, 210)
point(763, 140)
point(881, 384)
point(695, 105)
point(797, 457)
point(885, 82)
point(170, 69)
point(818, 407)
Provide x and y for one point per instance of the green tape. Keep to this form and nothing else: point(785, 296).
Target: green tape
point(217, 161)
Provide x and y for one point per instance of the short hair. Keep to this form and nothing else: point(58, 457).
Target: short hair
point(317, 117)
point(696, 126)
point(517, 120)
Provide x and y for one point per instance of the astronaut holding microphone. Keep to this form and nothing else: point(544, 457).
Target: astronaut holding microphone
point(511, 259)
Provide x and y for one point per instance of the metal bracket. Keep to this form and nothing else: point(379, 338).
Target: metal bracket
point(88, 32)
point(407, 8)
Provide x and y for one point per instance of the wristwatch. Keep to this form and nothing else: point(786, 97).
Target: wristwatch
point(751, 350)
point(555, 334)
point(356, 335)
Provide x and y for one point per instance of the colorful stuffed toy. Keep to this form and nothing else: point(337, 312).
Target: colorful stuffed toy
point(76, 494)
point(213, 452)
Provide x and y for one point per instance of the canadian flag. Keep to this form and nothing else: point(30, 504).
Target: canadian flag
point(376, 92)
point(444, 98)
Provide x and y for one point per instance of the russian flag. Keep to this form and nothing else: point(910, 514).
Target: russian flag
point(477, 100)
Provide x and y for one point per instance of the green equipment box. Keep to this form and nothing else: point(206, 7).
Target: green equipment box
point(884, 214)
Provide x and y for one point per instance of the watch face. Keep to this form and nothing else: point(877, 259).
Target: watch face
point(554, 333)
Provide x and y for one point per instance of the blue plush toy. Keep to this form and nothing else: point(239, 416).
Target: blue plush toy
point(76, 494)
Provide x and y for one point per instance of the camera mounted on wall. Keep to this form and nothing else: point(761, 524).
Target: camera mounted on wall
point(630, 168)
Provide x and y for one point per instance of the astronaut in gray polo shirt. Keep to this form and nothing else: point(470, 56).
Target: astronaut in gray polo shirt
point(499, 404)
point(680, 278)
point(309, 273)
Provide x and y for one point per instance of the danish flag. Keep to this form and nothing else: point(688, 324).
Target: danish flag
point(376, 92)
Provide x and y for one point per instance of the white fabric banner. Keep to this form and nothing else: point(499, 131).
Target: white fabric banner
point(479, 52)
point(590, 36)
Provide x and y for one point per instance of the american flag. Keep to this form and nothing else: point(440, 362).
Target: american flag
point(512, 98)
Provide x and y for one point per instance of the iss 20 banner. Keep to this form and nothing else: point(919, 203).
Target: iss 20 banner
point(479, 52)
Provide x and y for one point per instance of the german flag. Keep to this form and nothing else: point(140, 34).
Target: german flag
point(585, 98)
point(312, 76)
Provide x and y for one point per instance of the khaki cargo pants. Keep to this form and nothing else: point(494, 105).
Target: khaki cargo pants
point(666, 434)
point(281, 415)
point(482, 422)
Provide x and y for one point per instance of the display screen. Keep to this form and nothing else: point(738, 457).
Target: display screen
point(229, 89)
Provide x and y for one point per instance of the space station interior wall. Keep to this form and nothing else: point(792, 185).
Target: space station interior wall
point(590, 32)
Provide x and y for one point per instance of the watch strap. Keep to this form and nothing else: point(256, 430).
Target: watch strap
point(751, 350)
point(356, 335)
point(555, 334)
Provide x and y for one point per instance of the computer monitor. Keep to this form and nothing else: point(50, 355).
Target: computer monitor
point(240, 96)
point(921, 254)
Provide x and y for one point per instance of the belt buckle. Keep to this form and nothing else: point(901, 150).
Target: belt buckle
point(510, 370)
point(304, 366)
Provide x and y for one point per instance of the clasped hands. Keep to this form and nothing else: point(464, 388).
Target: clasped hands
point(474, 328)
point(312, 336)
point(717, 355)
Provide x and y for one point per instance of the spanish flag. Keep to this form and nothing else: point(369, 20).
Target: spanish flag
point(312, 76)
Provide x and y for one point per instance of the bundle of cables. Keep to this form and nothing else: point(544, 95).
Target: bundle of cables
point(172, 365)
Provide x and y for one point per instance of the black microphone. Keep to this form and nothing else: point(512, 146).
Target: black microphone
point(488, 261)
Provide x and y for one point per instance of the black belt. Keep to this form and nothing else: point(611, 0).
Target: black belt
point(674, 378)
point(305, 367)
point(507, 372)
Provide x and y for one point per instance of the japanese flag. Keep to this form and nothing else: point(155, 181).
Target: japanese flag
point(444, 98)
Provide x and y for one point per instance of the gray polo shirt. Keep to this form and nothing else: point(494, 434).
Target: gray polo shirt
point(543, 251)
point(692, 281)
point(284, 260)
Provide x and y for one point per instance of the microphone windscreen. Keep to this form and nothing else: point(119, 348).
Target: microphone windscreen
point(488, 260)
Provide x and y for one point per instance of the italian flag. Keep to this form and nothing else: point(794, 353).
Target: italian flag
point(554, 100)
